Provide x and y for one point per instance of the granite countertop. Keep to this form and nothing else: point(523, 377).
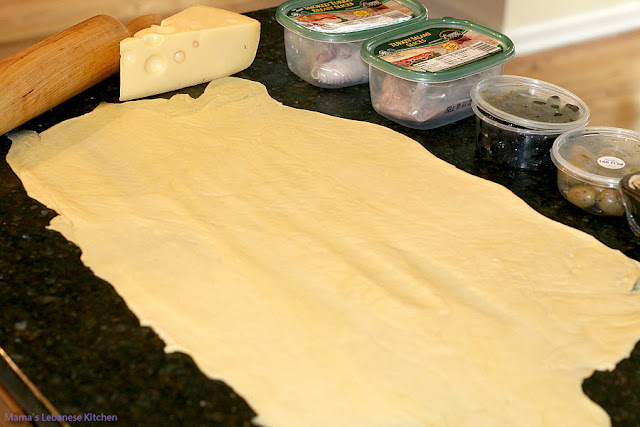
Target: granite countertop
point(75, 338)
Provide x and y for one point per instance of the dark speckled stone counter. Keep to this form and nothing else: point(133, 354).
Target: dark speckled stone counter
point(76, 340)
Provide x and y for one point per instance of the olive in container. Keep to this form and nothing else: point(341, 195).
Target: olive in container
point(420, 74)
point(519, 118)
point(591, 162)
point(323, 39)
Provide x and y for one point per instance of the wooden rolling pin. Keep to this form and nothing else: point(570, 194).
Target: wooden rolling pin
point(52, 71)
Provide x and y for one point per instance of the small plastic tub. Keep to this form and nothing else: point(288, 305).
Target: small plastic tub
point(630, 186)
point(323, 39)
point(591, 163)
point(519, 118)
point(420, 74)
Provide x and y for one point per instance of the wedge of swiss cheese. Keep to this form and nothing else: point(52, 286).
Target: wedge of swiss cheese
point(197, 45)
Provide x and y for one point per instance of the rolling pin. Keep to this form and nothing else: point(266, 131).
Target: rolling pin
point(60, 67)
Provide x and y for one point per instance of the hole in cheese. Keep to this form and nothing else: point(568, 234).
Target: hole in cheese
point(155, 64)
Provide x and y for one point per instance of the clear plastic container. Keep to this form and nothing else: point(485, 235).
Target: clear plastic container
point(591, 162)
point(420, 74)
point(519, 118)
point(630, 186)
point(323, 39)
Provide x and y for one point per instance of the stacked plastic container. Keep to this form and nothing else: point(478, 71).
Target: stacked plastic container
point(420, 71)
point(323, 39)
point(421, 74)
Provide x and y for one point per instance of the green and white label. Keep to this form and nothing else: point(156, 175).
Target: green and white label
point(438, 49)
point(347, 16)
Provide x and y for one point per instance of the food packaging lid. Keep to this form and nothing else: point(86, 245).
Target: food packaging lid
point(347, 20)
point(530, 103)
point(598, 155)
point(438, 50)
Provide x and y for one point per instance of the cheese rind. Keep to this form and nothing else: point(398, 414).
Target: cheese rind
point(197, 45)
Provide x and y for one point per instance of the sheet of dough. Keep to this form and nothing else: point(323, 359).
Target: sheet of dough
point(334, 272)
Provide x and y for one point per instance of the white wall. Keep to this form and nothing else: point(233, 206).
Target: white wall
point(519, 13)
point(485, 12)
point(547, 24)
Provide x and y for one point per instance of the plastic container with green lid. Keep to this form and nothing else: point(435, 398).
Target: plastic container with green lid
point(420, 74)
point(323, 38)
point(518, 119)
point(591, 162)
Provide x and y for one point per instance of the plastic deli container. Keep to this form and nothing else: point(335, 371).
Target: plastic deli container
point(591, 163)
point(630, 186)
point(420, 74)
point(519, 118)
point(323, 38)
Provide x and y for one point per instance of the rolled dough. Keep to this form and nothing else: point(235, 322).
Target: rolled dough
point(334, 272)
